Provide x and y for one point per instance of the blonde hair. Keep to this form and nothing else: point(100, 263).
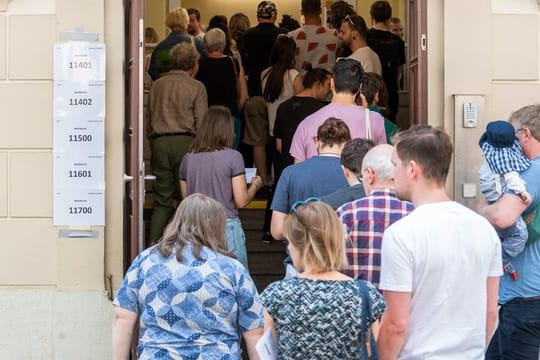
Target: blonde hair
point(177, 18)
point(199, 221)
point(315, 230)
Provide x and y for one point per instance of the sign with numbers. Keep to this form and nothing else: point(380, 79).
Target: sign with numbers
point(79, 134)
point(79, 207)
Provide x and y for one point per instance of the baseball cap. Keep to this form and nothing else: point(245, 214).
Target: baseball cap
point(266, 10)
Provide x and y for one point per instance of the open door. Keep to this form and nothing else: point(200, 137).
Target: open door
point(134, 172)
point(418, 62)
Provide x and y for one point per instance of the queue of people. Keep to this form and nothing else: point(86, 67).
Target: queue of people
point(382, 264)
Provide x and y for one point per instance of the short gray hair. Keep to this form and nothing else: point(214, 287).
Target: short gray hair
point(529, 117)
point(379, 159)
point(215, 40)
point(183, 56)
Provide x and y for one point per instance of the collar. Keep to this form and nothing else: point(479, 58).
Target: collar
point(384, 191)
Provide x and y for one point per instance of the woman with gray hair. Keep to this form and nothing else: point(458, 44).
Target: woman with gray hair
point(177, 21)
point(192, 299)
point(223, 77)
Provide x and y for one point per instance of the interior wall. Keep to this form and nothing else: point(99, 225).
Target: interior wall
point(156, 9)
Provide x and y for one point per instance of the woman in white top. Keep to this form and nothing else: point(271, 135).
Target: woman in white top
point(281, 80)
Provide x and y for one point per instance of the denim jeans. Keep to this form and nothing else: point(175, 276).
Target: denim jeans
point(236, 240)
point(518, 333)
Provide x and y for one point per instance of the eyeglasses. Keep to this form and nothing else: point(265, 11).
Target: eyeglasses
point(303, 202)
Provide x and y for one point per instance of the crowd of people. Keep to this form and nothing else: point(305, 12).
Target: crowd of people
point(381, 263)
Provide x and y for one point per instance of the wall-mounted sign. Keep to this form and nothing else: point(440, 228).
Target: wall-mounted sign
point(79, 133)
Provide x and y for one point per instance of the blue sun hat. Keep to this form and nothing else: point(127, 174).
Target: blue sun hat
point(501, 148)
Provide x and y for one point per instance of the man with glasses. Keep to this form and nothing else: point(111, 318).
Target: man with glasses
point(367, 218)
point(353, 34)
point(518, 332)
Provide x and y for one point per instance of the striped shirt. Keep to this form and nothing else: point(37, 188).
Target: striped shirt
point(366, 219)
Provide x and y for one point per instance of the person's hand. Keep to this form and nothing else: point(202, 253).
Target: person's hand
point(526, 197)
point(257, 182)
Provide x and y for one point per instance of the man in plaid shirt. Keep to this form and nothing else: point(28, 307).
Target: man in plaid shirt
point(367, 218)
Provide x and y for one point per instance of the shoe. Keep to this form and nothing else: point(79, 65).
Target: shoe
point(267, 238)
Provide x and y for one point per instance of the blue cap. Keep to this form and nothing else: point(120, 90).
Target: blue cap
point(499, 134)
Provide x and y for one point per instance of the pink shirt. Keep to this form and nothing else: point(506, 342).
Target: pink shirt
point(303, 145)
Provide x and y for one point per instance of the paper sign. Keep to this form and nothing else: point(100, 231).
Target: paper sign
point(79, 62)
point(79, 101)
point(267, 346)
point(79, 171)
point(79, 134)
point(250, 173)
point(79, 137)
point(80, 207)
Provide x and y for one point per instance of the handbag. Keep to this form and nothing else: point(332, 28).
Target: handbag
point(367, 319)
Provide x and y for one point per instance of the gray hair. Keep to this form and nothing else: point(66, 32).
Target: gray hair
point(183, 56)
point(379, 159)
point(529, 117)
point(215, 40)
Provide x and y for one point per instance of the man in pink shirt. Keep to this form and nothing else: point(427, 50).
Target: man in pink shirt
point(346, 84)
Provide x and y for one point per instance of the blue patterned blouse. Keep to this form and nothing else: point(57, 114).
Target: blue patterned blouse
point(321, 319)
point(190, 310)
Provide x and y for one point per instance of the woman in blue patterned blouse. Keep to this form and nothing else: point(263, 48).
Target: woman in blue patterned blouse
point(322, 314)
point(193, 300)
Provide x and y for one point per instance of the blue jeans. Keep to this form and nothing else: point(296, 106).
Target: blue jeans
point(518, 333)
point(236, 240)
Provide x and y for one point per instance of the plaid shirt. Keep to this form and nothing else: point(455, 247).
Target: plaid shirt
point(366, 219)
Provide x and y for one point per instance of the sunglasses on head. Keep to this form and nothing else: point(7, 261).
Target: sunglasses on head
point(303, 202)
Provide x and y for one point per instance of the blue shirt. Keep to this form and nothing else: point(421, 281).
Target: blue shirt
point(194, 309)
point(317, 176)
point(527, 263)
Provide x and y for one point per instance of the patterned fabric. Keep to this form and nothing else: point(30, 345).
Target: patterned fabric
point(196, 309)
point(320, 319)
point(366, 220)
point(505, 159)
point(315, 46)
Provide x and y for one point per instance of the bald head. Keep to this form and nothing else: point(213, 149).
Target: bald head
point(377, 167)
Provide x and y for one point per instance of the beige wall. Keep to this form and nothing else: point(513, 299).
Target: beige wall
point(53, 302)
point(471, 53)
point(156, 9)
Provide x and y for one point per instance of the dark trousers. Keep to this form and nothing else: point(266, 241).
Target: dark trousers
point(518, 333)
point(167, 154)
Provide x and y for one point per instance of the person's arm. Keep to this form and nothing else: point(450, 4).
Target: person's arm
point(297, 84)
point(242, 88)
point(200, 107)
point(279, 145)
point(183, 188)
point(504, 212)
point(492, 304)
point(122, 331)
point(243, 195)
point(276, 226)
point(394, 324)
point(251, 337)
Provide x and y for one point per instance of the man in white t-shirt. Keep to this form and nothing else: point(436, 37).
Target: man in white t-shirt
point(194, 26)
point(315, 44)
point(353, 34)
point(440, 265)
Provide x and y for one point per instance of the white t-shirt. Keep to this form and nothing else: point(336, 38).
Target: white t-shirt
point(442, 253)
point(368, 58)
point(315, 45)
point(286, 92)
